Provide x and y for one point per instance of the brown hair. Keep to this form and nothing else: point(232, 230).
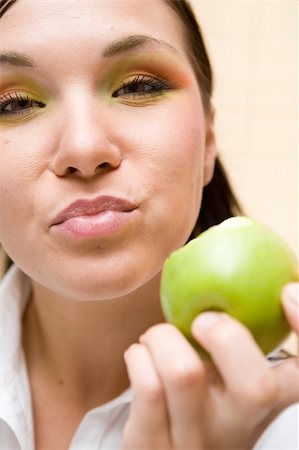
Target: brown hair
point(218, 201)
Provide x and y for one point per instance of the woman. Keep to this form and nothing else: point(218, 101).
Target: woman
point(107, 145)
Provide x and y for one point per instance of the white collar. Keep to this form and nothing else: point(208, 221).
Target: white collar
point(15, 397)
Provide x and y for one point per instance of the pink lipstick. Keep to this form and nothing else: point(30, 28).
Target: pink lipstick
point(94, 218)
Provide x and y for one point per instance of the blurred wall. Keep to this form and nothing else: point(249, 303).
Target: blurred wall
point(253, 48)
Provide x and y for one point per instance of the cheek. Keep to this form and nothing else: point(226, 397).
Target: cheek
point(23, 158)
point(167, 153)
point(171, 145)
point(20, 169)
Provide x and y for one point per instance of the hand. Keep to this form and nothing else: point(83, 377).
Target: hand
point(181, 402)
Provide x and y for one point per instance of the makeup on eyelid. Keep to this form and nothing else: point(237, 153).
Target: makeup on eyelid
point(11, 84)
point(18, 102)
point(158, 64)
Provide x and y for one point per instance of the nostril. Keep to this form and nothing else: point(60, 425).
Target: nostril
point(104, 165)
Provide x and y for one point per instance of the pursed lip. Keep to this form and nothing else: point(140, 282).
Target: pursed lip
point(90, 207)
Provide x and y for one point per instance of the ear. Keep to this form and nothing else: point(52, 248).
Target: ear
point(210, 148)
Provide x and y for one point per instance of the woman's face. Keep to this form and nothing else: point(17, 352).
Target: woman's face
point(100, 102)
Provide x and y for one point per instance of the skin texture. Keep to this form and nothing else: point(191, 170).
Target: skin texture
point(156, 151)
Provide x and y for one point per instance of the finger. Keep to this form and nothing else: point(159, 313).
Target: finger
point(147, 426)
point(287, 374)
point(183, 377)
point(290, 302)
point(238, 358)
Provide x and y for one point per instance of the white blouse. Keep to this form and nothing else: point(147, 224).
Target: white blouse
point(101, 428)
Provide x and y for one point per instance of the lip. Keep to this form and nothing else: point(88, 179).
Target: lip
point(96, 217)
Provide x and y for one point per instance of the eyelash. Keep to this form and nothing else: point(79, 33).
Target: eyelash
point(10, 98)
point(153, 87)
point(156, 87)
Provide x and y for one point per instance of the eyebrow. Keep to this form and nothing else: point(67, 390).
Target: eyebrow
point(120, 46)
point(16, 59)
point(134, 41)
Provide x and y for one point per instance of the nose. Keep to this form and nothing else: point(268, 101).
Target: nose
point(85, 145)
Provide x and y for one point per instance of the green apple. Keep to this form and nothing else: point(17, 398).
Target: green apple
point(238, 267)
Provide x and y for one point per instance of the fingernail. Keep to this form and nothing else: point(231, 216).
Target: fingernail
point(291, 293)
point(206, 320)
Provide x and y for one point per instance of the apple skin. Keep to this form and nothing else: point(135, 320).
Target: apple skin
point(240, 267)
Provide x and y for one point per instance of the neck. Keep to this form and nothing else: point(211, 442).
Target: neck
point(80, 345)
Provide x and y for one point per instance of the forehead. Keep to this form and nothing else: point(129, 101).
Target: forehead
point(61, 24)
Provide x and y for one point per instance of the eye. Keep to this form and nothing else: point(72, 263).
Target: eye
point(142, 86)
point(14, 104)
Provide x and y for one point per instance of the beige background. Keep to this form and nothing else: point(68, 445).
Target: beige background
point(253, 45)
point(253, 48)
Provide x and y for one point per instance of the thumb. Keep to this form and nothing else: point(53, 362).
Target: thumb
point(287, 372)
point(290, 303)
point(287, 375)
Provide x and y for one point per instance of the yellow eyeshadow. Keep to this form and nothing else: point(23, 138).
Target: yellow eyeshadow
point(10, 122)
point(145, 101)
point(22, 86)
point(18, 89)
point(152, 64)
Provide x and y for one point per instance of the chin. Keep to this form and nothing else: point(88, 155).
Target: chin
point(88, 276)
point(98, 286)
point(92, 293)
